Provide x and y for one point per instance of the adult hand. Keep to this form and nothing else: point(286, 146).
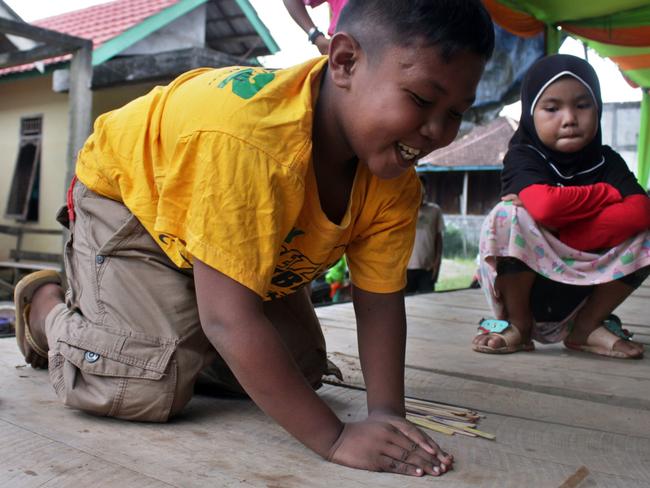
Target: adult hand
point(387, 442)
point(514, 198)
point(323, 44)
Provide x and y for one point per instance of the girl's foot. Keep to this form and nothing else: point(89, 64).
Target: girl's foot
point(602, 342)
point(506, 341)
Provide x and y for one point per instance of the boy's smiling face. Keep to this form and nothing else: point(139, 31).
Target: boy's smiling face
point(404, 103)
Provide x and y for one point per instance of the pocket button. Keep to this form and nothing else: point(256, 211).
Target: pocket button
point(91, 357)
point(99, 259)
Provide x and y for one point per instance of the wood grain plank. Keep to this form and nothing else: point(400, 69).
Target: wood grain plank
point(226, 443)
point(439, 341)
point(510, 401)
point(31, 459)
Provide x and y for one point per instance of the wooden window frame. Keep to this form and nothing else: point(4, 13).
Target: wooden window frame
point(30, 135)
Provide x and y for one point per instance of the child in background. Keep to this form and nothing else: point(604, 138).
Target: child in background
point(203, 209)
point(423, 267)
point(570, 241)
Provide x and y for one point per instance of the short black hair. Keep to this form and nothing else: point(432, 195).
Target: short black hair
point(453, 25)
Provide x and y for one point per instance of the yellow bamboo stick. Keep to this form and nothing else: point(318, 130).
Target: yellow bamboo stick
point(457, 427)
point(443, 418)
point(428, 411)
point(441, 411)
point(453, 423)
point(438, 416)
point(427, 424)
point(441, 414)
point(480, 433)
point(436, 404)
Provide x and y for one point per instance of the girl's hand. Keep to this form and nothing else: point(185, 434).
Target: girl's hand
point(387, 442)
point(514, 198)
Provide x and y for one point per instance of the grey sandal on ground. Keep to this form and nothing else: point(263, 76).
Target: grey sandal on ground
point(23, 295)
point(507, 332)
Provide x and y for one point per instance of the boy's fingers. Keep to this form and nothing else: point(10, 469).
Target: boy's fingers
point(391, 465)
point(417, 457)
point(443, 456)
point(425, 442)
point(408, 445)
point(415, 435)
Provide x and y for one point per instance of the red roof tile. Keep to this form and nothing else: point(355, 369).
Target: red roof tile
point(484, 146)
point(100, 23)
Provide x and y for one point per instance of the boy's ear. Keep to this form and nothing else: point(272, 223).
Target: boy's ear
point(344, 56)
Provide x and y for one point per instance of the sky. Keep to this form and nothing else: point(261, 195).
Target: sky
point(295, 48)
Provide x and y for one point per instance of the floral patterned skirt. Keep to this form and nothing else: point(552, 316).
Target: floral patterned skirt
point(509, 231)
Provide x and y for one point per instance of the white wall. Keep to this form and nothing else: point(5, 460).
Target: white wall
point(22, 98)
point(185, 32)
point(33, 96)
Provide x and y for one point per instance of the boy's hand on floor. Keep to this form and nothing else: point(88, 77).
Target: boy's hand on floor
point(386, 442)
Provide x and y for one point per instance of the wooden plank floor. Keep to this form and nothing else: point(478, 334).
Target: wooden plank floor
point(552, 411)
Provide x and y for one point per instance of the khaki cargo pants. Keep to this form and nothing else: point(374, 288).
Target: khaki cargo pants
point(128, 343)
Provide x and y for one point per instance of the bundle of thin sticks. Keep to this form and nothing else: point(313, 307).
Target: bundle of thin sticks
point(445, 419)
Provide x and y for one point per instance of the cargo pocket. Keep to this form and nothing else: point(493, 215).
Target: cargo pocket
point(120, 239)
point(117, 373)
point(107, 267)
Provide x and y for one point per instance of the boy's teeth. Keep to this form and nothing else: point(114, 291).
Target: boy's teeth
point(407, 152)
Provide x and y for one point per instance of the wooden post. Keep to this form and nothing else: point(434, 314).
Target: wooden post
point(552, 39)
point(80, 101)
point(463, 210)
point(463, 196)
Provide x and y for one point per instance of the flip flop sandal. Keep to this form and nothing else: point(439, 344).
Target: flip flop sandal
point(506, 331)
point(601, 342)
point(613, 324)
point(23, 295)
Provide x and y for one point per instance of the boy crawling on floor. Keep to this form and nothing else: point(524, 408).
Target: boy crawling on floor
point(201, 210)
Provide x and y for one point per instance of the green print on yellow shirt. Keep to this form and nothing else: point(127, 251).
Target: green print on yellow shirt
point(243, 87)
point(293, 233)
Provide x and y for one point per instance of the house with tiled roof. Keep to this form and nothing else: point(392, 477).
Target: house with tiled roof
point(464, 177)
point(136, 44)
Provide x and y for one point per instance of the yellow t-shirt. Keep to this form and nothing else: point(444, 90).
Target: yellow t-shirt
point(217, 167)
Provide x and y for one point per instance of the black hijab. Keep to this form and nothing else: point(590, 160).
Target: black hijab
point(528, 161)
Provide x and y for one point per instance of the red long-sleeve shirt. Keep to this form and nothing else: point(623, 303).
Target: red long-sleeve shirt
point(587, 217)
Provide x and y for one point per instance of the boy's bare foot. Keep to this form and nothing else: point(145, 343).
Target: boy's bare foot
point(45, 298)
point(35, 296)
point(599, 340)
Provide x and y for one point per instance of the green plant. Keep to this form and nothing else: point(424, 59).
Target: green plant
point(455, 244)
